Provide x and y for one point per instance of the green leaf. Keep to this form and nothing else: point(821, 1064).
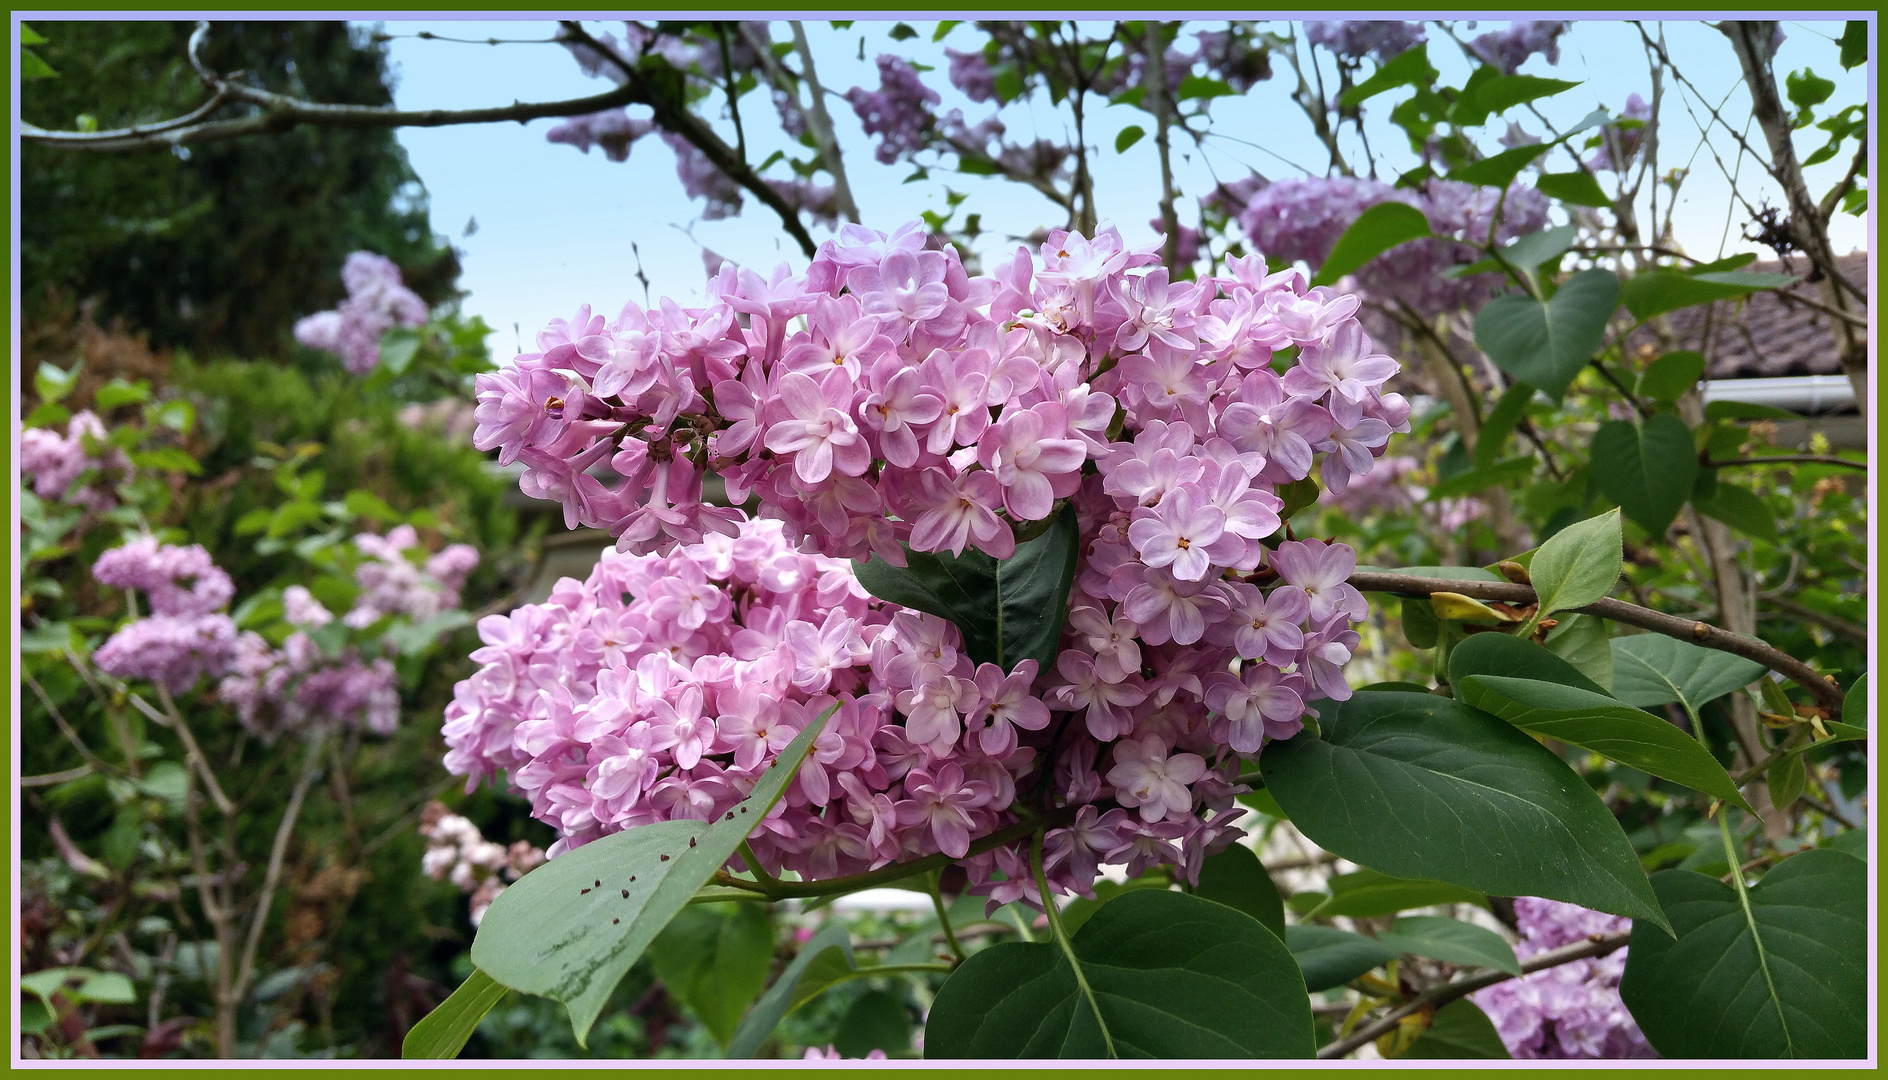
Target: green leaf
point(1481, 478)
point(1237, 879)
point(35, 1017)
point(1741, 509)
point(1174, 976)
point(361, 503)
point(1201, 88)
point(1459, 1030)
point(1420, 628)
point(1331, 957)
point(1582, 640)
point(1128, 137)
point(397, 349)
point(166, 459)
point(1579, 564)
point(412, 639)
point(1855, 702)
point(32, 67)
point(1647, 468)
point(1745, 410)
point(1419, 785)
point(832, 948)
point(119, 392)
point(715, 961)
point(1806, 88)
point(1008, 611)
point(1375, 231)
point(566, 930)
point(1451, 941)
point(1513, 657)
point(1577, 187)
point(1850, 842)
point(29, 36)
point(1499, 170)
point(1408, 68)
point(1297, 495)
point(442, 1033)
point(1367, 894)
point(1671, 375)
point(54, 383)
point(1547, 344)
point(1500, 423)
point(47, 414)
point(1784, 976)
point(1660, 291)
point(903, 32)
point(876, 1020)
point(1526, 253)
point(176, 414)
point(1601, 724)
point(1504, 92)
point(1854, 44)
point(107, 988)
point(945, 27)
point(1786, 781)
point(1652, 669)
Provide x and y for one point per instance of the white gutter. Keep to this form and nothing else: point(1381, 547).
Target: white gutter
point(1807, 394)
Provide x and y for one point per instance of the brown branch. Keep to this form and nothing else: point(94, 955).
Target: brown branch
point(1790, 459)
point(1826, 692)
point(1436, 997)
point(1828, 622)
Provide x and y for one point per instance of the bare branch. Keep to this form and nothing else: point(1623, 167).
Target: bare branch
point(277, 853)
point(1825, 691)
point(1790, 459)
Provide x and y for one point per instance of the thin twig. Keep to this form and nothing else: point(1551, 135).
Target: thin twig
point(49, 779)
point(1789, 459)
point(1825, 691)
point(1843, 627)
point(1595, 945)
point(311, 766)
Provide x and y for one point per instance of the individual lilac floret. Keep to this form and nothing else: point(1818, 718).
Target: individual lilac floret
point(376, 302)
point(1572, 1010)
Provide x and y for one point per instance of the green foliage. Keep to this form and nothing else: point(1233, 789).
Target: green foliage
point(444, 1031)
point(1375, 231)
point(1451, 941)
point(1172, 975)
point(715, 961)
point(1579, 565)
point(1459, 1030)
point(1237, 879)
point(1648, 468)
point(1547, 343)
point(1331, 957)
point(1783, 974)
point(1652, 669)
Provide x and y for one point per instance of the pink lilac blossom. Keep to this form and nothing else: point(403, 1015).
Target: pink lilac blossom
point(186, 635)
point(1569, 1011)
point(376, 302)
point(53, 463)
point(887, 402)
point(458, 852)
point(1354, 39)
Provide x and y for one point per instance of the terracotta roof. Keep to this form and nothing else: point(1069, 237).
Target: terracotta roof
point(1764, 337)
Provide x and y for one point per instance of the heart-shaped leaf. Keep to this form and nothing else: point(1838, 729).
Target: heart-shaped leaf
point(1660, 291)
point(1008, 610)
point(1652, 669)
point(1785, 975)
point(1423, 786)
point(1671, 375)
point(1545, 344)
point(715, 961)
point(1173, 976)
point(1332, 957)
point(1647, 468)
point(1601, 724)
point(570, 929)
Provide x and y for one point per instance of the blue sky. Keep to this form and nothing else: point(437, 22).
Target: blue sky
point(555, 227)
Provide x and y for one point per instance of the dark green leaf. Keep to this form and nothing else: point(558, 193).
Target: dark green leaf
point(1375, 231)
point(1854, 44)
point(1671, 375)
point(412, 639)
point(1526, 254)
point(1453, 573)
point(1601, 724)
point(1408, 68)
point(1855, 702)
point(1459, 1029)
point(832, 945)
point(1008, 611)
point(903, 32)
point(1128, 137)
point(1331, 957)
point(1746, 410)
point(1787, 977)
point(1579, 564)
point(1578, 187)
point(1850, 842)
point(944, 27)
point(1499, 170)
point(876, 1020)
point(166, 459)
point(1174, 976)
point(1419, 623)
point(1500, 423)
point(1546, 344)
point(1198, 87)
point(1481, 478)
point(1806, 88)
point(1741, 509)
point(32, 67)
point(1367, 894)
point(1237, 879)
point(1297, 495)
point(1414, 784)
point(1786, 781)
point(1652, 669)
point(566, 931)
point(1504, 92)
point(1647, 468)
point(1450, 941)
point(1582, 640)
point(715, 961)
point(1660, 291)
point(1513, 657)
point(442, 1033)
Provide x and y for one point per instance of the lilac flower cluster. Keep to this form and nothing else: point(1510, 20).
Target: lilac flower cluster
point(186, 635)
point(884, 401)
point(1509, 49)
point(376, 302)
point(54, 463)
point(1354, 39)
point(1301, 219)
point(612, 129)
point(1569, 1011)
point(899, 111)
point(1619, 146)
point(300, 684)
point(457, 852)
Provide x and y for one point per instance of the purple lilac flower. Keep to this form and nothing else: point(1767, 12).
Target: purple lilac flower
point(1509, 49)
point(1355, 39)
point(376, 303)
point(899, 111)
point(1569, 1011)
